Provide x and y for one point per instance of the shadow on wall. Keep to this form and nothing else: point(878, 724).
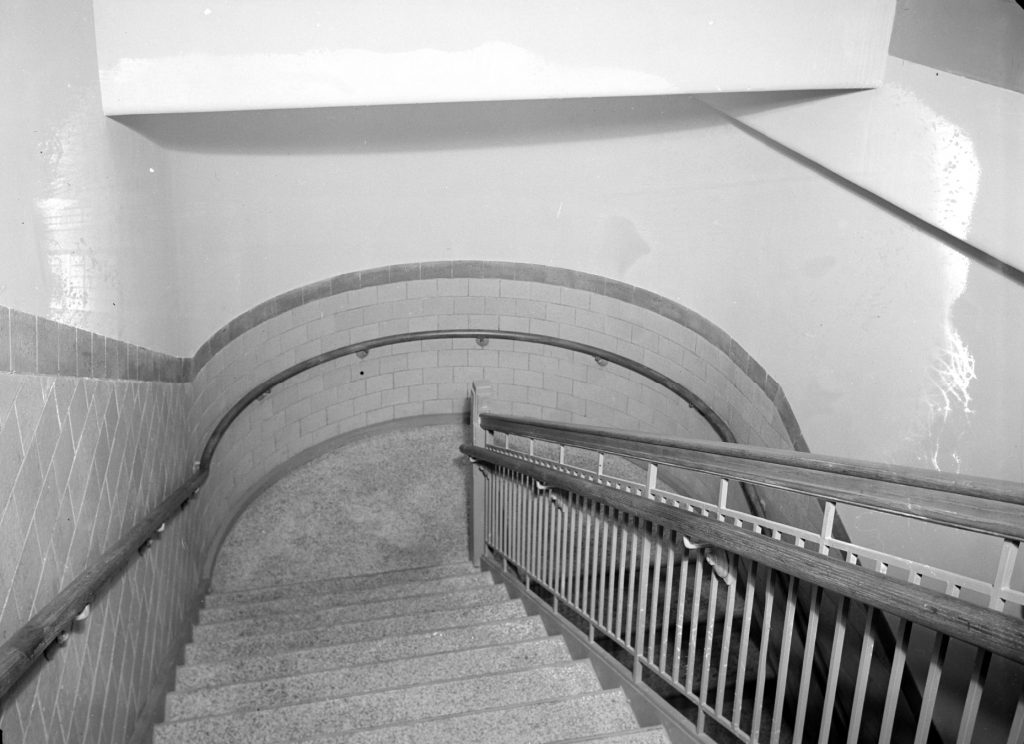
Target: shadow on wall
point(421, 127)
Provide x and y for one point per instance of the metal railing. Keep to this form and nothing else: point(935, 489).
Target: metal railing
point(702, 599)
point(51, 624)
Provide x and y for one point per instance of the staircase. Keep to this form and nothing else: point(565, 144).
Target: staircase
point(436, 654)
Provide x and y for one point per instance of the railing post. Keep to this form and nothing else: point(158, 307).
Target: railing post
point(480, 396)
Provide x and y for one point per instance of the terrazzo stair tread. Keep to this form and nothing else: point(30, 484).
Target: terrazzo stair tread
point(591, 714)
point(325, 600)
point(261, 625)
point(219, 650)
point(333, 585)
point(649, 735)
point(359, 679)
point(290, 663)
point(387, 707)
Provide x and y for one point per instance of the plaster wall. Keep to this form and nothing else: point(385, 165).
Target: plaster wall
point(891, 346)
point(85, 234)
point(197, 55)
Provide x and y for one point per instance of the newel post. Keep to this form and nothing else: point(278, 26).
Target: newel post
point(480, 396)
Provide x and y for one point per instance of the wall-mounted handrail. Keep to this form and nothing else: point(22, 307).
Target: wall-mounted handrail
point(27, 644)
point(24, 647)
point(1004, 635)
point(718, 425)
point(979, 504)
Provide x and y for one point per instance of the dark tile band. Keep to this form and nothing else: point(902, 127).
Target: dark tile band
point(39, 346)
point(35, 345)
point(513, 271)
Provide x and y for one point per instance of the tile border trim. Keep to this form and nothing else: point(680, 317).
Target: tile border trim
point(31, 344)
point(537, 273)
point(34, 345)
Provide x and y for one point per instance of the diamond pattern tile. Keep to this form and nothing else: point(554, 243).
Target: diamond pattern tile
point(80, 461)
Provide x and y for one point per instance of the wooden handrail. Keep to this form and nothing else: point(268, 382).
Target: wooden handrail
point(19, 652)
point(984, 505)
point(1003, 634)
point(28, 643)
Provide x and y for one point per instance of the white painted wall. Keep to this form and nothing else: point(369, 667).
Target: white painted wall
point(212, 55)
point(85, 233)
point(946, 149)
point(863, 318)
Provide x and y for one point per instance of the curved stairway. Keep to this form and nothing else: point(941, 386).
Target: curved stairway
point(436, 654)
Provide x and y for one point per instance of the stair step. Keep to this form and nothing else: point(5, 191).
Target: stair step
point(385, 708)
point(246, 669)
point(358, 679)
point(259, 624)
point(349, 632)
point(325, 598)
point(591, 715)
point(650, 735)
point(339, 584)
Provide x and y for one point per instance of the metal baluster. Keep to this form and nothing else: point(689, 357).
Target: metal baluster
point(566, 548)
point(1017, 728)
point(588, 577)
point(1004, 571)
point(621, 591)
point(495, 506)
point(547, 504)
point(784, 653)
point(741, 662)
point(691, 650)
point(577, 528)
point(867, 647)
point(677, 646)
point(514, 526)
point(723, 657)
point(515, 494)
point(931, 687)
point(524, 525)
point(666, 612)
point(512, 516)
point(892, 694)
point(709, 638)
point(537, 499)
point(504, 512)
point(602, 576)
point(655, 592)
point(814, 615)
point(613, 598)
point(730, 606)
point(558, 543)
point(833, 671)
point(808, 666)
point(973, 699)
point(635, 537)
point(762, 659)
point(641, 607)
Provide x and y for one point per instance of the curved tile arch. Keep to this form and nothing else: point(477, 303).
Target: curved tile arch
point(533, 273)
